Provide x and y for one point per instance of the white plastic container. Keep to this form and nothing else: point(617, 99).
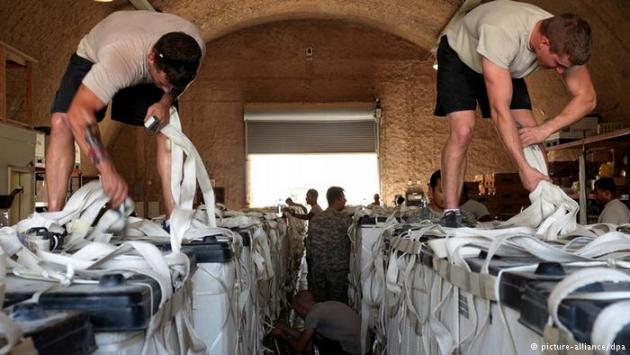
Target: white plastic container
point(214, 295)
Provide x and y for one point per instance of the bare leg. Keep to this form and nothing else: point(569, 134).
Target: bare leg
point(59, 160)
point(524, 118)
point(164, 169)
point(461, 125)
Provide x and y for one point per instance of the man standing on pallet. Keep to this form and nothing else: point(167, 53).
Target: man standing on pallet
point(141, 61)
point(483, 59)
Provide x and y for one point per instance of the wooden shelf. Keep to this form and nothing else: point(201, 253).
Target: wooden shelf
point(608, 140)
point(616, 141)
point(10, 60)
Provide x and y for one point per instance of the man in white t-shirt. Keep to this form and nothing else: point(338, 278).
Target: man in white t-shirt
point(615, 212)
point(483, 58)
point(141, 61)
point(475, 208)
point(338, 325)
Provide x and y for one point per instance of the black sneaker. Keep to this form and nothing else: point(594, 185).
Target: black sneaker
point(166, 225)
point(451, 219)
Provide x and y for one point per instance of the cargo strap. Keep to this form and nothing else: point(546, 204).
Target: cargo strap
point(605, 331)
point(552, 213)
point(609, 323)
point(9, 331)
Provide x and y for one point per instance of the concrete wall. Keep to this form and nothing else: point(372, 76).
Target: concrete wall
point(375, 48)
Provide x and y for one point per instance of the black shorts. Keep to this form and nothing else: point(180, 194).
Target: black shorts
point(460, 88)
point(129, 105)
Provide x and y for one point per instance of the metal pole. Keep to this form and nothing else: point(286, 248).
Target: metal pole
point(582, 170)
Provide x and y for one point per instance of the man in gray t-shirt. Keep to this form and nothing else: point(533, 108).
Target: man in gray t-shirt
point(482, 59)
point(335, 322)
point(141, 61)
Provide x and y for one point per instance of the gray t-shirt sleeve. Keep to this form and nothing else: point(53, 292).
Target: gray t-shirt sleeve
point(113, 72)
point(496, 45)
point(312, 318)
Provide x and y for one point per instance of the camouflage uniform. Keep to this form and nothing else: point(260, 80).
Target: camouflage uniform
point(328, 256)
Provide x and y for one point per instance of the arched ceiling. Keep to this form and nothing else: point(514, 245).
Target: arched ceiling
point(418, 21)
point(49, 30)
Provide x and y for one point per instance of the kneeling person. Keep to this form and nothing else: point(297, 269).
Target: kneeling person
point(335, 322)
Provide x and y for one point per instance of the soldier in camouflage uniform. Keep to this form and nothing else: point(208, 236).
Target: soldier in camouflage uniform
point(328, 250)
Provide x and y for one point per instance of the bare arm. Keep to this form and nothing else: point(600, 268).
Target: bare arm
point(499, 86)
point(301, 343)
point(583, 100)
point(305, 217)
point(82, 115)
point(161, 109)
point(82, 119)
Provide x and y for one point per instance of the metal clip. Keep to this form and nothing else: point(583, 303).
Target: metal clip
point(152, 125)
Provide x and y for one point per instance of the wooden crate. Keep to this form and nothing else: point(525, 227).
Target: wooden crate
point(501, 179)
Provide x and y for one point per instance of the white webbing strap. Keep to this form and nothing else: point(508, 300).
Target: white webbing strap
point(9, 331)
point(295, 234)
point(176, 312)
point(551, 212)
point(443, 336)
point(261, 255)
point(373, 280)
point(575, 281)
point(185, 192)
point(375, 301)
point(399, 286)
point(604, 245)
point(10, 243)
point(609, 323)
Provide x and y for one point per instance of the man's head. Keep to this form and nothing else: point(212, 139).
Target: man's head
point(311, 197)
point(435, 189)
point(605, 189)
point(377, 199)
point(302, 303)
point(336, 198)
point(565, 41)
point(173, 62)
point(289, 201)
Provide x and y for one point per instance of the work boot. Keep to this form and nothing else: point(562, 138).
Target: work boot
point(451, 219)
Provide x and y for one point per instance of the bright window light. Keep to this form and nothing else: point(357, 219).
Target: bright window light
point(274, 177)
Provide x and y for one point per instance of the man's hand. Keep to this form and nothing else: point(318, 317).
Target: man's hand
point(533, 135)
point(113, 184)
point(160, 111)
point(530, 178)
